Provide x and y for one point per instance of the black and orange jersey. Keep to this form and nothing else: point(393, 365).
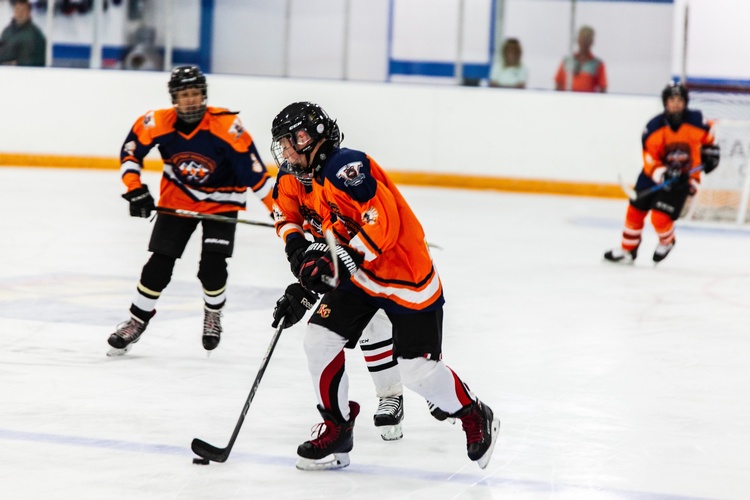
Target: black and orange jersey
point(356, 199)
point(293, 208)
point(664, 147)
point(207, 170)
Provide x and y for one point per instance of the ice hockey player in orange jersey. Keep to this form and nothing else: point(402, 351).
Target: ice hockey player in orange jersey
point(382, 262)
point(675, 143)
point(209, 162)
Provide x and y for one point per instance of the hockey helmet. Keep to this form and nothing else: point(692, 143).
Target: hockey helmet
point(187, 77)
point(674, 88)
point(304, 125)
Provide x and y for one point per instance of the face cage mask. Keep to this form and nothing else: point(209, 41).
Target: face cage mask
point(304, 175)
point(195, 115)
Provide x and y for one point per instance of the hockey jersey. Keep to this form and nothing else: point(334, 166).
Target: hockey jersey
point(680, 149)
point(356, 199)
point(293, 208)
point(207, 170)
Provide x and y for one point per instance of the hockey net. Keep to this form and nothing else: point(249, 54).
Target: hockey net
point(725, 192)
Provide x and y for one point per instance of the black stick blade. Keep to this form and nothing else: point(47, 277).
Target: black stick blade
point(209, 451)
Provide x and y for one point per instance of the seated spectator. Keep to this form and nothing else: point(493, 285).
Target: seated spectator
point(583, 72)
point(22, 42)
point(509, 72)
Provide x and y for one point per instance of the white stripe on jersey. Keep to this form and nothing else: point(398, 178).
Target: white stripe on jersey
point(216, 196)
point(416, 297)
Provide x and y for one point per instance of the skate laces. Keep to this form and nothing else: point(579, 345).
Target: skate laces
point(130, 329)
point(212, 322)
point(472, 424)
point(388, 405)
point(324, 434)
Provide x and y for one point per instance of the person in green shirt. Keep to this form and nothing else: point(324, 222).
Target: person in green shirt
point(22, 43)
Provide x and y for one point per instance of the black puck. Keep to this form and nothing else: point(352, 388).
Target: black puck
point(201, 461)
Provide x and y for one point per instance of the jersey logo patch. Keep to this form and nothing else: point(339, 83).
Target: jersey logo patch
point(237, 129)
point(370, 216)
point(278, 215)
point(129, 147)
point(257, 165)
point(324, 311)
point(350, 174)
point(192, 167)
point(148, 120)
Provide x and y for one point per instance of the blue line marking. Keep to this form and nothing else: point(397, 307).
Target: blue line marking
point(369, 470)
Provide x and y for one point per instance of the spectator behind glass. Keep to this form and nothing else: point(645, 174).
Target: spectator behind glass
point(588, 73)
point(22, 42)
point(509, 72)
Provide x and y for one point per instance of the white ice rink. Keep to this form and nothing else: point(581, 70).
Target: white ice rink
point(611, 382)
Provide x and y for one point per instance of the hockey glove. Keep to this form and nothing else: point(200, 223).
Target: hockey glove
point(293, 305)
point(141, 202)
point(317, 270)
point(710, 157)
point(674, 178)
point(295, 252)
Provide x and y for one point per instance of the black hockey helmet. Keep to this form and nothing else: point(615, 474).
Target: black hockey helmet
point(304, 124)
point(674, 88)
point(187, 77)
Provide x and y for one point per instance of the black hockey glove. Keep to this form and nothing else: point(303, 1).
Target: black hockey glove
point(674, 178)
point(293, 305)
point(141, 202)
point(710, 157)
point(317, 270)
point(295, 252)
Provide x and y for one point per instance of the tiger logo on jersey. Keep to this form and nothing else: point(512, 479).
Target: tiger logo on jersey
point(192, 167)
point(350, 174)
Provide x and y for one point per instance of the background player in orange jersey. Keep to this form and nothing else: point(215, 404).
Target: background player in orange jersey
point(674, 144)
point(209, 162)
point(383, 263)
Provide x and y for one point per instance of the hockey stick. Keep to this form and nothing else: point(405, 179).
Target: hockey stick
point(210, 452)
point(332, 281)
point(635, 196)
point(197, 215)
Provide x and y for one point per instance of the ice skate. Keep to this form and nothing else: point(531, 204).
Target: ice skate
point(662, 251)
point(211, 328)
point(621, 256)
point(388, 417)
point(482, 429)
point(439, 414)
point(127, 333)
point(334, 437)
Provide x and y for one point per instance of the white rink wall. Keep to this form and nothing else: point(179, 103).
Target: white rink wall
point(405, 127)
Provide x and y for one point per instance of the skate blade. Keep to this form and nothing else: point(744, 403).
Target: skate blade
point(391, 432)
point(339, 461)
point(485, 459)
point(113, 351)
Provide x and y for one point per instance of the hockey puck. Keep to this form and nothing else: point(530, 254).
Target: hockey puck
point(201, 461)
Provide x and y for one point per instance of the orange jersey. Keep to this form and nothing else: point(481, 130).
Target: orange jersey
point(365, 210)
point(207, 170)
point(589, 74)
point(293, 208)
point(664, 147)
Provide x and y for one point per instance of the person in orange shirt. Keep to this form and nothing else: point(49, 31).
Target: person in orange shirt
point(583, 72)
point(675, 143)
point(381, 262)
point(209, 162)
